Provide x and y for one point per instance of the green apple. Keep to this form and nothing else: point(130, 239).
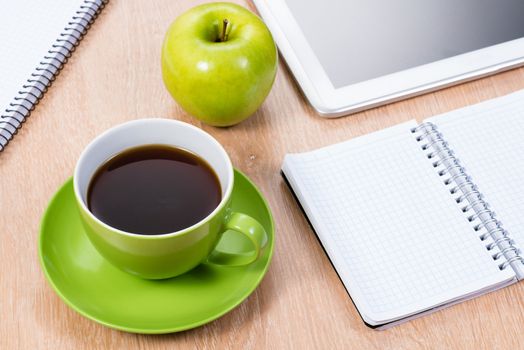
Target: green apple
point(219, 62)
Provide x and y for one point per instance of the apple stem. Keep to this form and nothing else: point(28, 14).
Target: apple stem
point(224, 35)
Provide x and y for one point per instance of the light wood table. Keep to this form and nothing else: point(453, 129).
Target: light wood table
point(114, 76)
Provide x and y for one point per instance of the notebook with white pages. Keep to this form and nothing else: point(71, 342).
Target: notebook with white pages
point(37, 37)
point(407, 214)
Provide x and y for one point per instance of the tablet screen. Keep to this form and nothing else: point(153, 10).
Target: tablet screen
point(361, 40)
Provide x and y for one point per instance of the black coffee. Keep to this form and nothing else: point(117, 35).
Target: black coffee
point(153, 189)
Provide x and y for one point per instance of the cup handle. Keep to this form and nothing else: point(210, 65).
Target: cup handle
point(250, 228)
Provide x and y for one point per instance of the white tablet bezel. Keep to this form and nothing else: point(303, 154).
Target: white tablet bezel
point(331, 102)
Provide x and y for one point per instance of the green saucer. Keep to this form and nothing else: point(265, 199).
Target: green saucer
point(105, 294)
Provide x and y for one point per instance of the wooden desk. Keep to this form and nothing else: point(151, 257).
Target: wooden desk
point(114, 76)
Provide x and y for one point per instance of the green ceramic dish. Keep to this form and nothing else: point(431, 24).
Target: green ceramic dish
point(105, 294)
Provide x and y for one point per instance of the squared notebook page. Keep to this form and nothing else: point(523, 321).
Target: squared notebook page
point(395, 235)
point(28, 29)
point(488, 138)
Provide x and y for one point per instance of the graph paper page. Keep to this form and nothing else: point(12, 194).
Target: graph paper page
point(488, 138)
point(396, 237)
point(28, 29)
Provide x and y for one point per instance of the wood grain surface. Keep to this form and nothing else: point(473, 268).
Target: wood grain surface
point(114, 76)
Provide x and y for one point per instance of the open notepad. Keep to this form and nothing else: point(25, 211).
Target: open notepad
point(407, 214)
point(37, 39)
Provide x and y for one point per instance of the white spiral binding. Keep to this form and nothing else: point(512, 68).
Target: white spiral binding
point(469, 199)
point(12, 118)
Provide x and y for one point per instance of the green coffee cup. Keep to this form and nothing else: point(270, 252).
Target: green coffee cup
point(166, 255)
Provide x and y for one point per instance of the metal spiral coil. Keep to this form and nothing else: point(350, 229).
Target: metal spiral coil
point(13, 117)
point(468, 197)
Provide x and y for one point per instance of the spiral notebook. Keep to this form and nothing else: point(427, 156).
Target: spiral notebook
point(407, 214)
point(37, 38)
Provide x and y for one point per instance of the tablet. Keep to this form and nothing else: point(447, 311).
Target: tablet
point(350, 55)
